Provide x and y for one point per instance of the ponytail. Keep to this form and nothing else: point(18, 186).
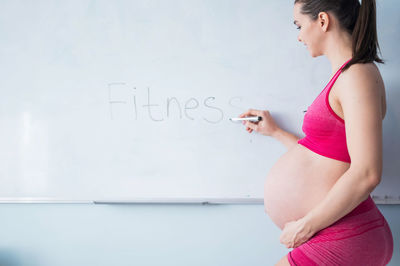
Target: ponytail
point(365, 38)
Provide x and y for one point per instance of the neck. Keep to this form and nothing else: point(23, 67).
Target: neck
point(339, 50)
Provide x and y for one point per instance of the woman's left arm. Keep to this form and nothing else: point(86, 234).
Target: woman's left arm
point(360, 99)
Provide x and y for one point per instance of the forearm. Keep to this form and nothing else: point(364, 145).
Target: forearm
point(349, 191)
point(286, 138)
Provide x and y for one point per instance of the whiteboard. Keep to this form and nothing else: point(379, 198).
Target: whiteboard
point(123, 99)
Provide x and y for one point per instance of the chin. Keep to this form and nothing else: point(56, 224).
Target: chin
point(314, 54)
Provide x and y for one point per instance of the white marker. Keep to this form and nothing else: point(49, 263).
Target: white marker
point(249, 118)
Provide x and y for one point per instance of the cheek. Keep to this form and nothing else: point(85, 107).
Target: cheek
point(315, 44)
point(312, 38)
point(305, 35)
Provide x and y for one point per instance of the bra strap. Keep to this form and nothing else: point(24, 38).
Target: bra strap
point(334, 78)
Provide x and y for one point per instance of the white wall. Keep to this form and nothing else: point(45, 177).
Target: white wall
point(146, 235)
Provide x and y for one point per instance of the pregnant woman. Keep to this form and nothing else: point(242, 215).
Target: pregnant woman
point(318, 192)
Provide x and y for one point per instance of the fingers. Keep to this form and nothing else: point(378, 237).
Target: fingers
point(250, 112)
point(244, 114)
point(251, 126)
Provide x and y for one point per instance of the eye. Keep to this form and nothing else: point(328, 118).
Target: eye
point(298, 27)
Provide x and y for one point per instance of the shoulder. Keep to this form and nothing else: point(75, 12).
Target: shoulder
point(360, 80)
point(362, 74)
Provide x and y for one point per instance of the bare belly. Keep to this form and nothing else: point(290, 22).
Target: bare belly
point(297, 182)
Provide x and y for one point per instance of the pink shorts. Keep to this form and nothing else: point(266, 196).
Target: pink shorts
point(362, 237)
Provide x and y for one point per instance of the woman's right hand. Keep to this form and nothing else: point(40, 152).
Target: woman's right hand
point(266, 126)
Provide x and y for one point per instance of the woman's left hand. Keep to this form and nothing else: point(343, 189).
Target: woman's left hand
point(296, 233)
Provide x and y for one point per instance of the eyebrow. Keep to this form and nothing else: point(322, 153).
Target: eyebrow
point(295, 22)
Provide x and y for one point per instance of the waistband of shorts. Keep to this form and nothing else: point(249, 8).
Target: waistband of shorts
point(364, 206)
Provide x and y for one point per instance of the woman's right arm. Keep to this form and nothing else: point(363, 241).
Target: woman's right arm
point(268, 127)
point(286, 138)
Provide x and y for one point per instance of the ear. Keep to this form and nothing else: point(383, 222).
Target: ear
point(323, 21)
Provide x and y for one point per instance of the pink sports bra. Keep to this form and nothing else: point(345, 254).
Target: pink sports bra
point(324, 129)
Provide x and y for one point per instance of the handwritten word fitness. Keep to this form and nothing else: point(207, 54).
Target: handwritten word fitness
point(149, 108)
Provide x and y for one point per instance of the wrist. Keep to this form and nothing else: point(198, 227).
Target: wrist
point(309, 225)
point(277, 133)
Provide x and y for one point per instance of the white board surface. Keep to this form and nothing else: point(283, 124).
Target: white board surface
point(123, 99)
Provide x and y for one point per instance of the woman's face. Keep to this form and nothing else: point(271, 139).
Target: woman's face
point(310, 32)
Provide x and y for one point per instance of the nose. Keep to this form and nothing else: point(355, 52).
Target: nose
point(298, 38)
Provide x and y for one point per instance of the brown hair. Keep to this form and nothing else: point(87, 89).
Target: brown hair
point(357, 19)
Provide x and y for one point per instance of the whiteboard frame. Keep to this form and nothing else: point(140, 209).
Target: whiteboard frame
point(386, 200)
